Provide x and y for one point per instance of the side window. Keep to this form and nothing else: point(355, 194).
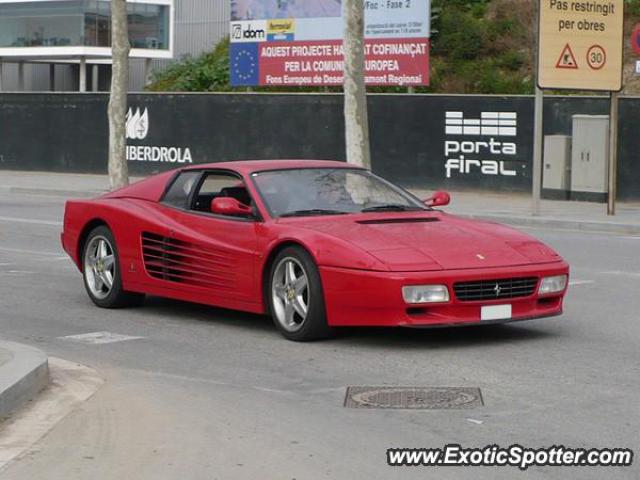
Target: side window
point(180, 190)
point(220, 185)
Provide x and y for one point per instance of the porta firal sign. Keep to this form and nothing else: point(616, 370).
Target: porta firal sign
point(299, 43)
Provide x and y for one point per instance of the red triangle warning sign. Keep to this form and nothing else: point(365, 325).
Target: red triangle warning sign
point(567, 59)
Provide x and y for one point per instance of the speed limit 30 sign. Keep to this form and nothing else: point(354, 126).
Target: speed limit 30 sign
point(596, 57)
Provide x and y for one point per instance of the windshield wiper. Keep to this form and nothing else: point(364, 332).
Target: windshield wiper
point(311, 212)
point(390, 208)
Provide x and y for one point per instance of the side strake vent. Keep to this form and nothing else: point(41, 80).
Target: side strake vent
point(177, 261)
point(397, 220)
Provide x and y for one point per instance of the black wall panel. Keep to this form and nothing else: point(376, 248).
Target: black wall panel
point(410, 143)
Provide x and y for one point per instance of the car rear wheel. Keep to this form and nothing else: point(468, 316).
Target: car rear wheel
point(101, 271)
point(296, 299)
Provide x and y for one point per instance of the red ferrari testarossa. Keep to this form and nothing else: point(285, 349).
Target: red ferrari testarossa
point(315, 244)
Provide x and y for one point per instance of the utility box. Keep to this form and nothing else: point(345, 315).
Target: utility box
point(590, 156)
point(557, 163)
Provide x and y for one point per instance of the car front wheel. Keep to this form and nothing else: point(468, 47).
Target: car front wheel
point(296, 298)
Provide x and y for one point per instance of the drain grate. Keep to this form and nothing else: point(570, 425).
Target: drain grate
point(414, 398)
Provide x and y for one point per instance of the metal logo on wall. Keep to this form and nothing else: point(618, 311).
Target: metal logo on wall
point(489, 127)
point(138, 129)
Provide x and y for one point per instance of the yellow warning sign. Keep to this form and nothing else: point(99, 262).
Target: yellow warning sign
point(580, 44)
point(567, 58)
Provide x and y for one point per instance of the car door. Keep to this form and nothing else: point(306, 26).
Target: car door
point(205, 253)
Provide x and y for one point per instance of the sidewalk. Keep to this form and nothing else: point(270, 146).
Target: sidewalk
point(515, 209)
point(510, 208)
point(59, 184)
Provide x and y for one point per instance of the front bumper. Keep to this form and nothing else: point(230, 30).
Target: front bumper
point(367, 298)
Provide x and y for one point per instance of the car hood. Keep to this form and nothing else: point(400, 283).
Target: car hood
point(434, 241)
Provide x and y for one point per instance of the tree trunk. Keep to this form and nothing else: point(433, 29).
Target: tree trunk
point(355, 94)
point(118, 168)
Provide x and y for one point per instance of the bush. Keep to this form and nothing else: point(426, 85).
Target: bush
point(208, 72)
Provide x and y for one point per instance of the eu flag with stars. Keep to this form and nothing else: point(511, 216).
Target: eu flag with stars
point(244, 65)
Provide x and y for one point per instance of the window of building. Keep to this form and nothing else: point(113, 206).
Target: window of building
point(80, 23)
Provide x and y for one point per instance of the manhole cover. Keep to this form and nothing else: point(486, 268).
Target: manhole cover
point(414, 398)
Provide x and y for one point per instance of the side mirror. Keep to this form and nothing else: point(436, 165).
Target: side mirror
point(231, 207)
point(439, 199)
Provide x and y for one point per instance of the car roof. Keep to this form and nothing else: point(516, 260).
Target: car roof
point(152, 188)
point(248, 167)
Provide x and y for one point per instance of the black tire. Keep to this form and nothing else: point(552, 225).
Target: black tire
point(314, 326)
point(116, 296)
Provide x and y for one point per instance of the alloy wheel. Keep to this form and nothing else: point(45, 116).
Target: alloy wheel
point(99, 267)
point(290, 294)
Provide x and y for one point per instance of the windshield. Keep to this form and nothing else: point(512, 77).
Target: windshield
point(330, 191)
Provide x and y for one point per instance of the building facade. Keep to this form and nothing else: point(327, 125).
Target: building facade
point(63, 45)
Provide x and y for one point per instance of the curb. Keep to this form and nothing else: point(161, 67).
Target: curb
point(584, 226)
point(22, 377)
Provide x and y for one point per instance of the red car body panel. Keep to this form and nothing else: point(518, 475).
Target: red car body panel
point(364, 259)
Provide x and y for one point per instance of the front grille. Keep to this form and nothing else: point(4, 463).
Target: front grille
point(495, 289)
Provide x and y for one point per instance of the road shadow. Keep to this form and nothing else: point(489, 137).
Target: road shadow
point(384, 338)
point(450, 337)
point(195, 312)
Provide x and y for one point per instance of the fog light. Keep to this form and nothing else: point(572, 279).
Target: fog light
point(553, 284)
point(426, 294)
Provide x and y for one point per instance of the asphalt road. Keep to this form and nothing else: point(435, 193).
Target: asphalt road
point(208, 393)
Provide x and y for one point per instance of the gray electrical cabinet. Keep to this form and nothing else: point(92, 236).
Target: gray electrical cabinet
point(590, 154)
point(557, 163)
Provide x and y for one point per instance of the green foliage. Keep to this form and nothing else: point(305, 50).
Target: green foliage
point(461, 34)
point(632, 8)
point(208, 72)
point(479, 47)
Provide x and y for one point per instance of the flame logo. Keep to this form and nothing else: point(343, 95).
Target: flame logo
point(137, 124)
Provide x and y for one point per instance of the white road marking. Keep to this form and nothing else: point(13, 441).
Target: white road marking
point(474, 421)
point(31, 221)
point(580, 282)
point(621, 272)
point(31, 252)
point(16, 272)
point(99, 338)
